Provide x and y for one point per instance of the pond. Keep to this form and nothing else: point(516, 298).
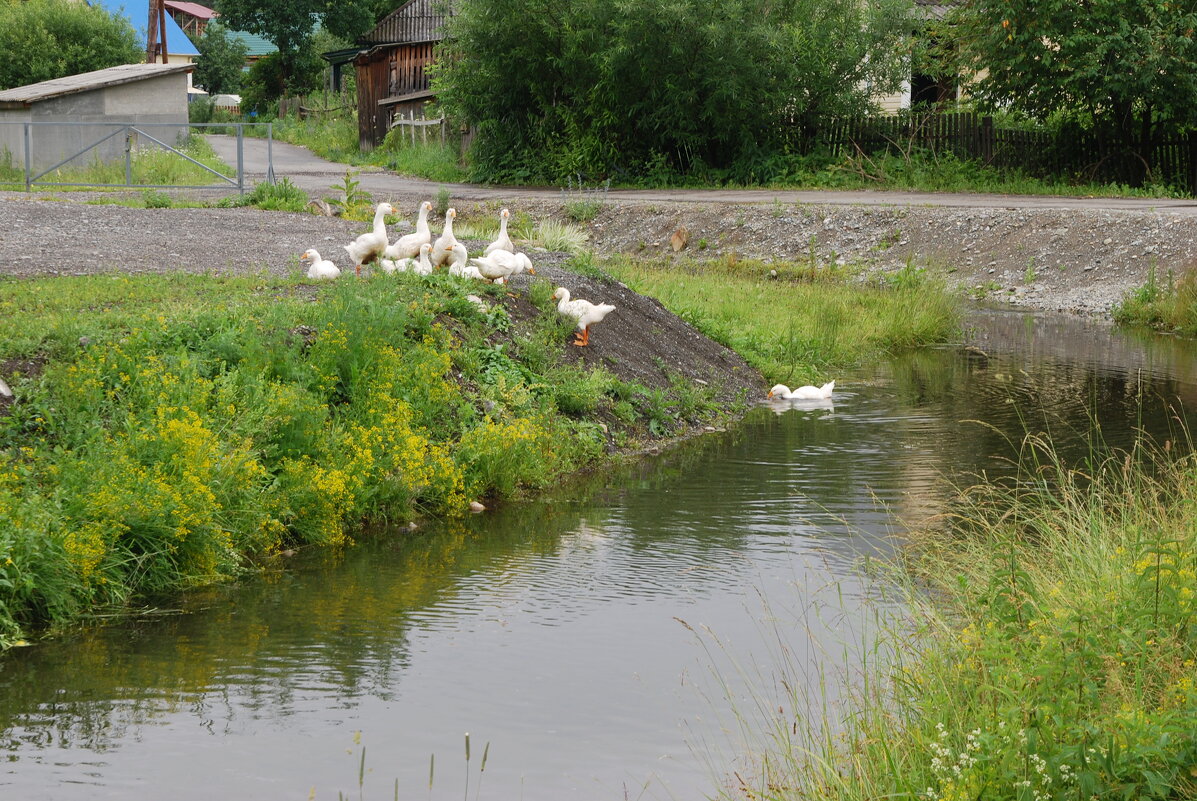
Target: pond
point(608, 640)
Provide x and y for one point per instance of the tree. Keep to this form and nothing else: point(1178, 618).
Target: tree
point(289, 25)
point(46, 39)
point(1125, 68)
point(221, 60)
point(563, 86)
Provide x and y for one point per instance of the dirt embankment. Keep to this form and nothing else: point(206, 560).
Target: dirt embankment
point(1075, 260)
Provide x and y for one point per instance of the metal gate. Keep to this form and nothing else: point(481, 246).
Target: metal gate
point(122, 143)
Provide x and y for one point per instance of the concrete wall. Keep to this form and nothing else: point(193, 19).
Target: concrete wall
point(161, 99)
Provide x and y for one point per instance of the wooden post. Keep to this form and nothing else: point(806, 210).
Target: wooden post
point(1192, 173)
point(986, 143)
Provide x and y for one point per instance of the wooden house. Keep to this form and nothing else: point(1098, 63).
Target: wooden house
point(392, 77)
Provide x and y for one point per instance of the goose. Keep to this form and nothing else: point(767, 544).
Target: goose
point(422, 266)
point(4, 389)
point(458, 257)
point(446, 241)
point(321, 268)
point(368, 247)
point(501, 265)
point(802, 393)
point(408, 247)
point(502, 241)
point(585, 312)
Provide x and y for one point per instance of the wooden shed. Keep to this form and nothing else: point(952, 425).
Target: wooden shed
point(392, 80)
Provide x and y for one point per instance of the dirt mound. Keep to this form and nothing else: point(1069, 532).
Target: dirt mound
point(641, 341)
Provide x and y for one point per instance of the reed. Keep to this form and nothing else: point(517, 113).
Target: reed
point(1050, 653)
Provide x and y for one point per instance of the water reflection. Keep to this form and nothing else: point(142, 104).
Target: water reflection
point(551, 629)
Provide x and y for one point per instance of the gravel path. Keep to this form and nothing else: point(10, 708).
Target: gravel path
point(39, 237)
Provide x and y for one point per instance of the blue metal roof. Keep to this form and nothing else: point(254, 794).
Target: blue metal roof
point(138, 13)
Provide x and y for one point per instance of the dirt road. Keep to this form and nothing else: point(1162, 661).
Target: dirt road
point(315, 176)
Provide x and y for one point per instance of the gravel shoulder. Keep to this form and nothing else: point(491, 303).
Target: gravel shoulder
point(1080, 260)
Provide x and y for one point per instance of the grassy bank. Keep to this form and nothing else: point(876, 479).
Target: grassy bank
point(1165, 302)
point(797, 322)
point(174, 430)
point(1055, 656)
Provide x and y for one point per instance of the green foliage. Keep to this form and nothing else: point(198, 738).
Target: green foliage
point(1128, 71)
point(218, 67)
point(441, 206)
point(353, 200)
point(155, 199)
point(1055, 655)
point(558, 89)
point(291, 24)
point(583, 211)
point(46, 39)
point(282, 195)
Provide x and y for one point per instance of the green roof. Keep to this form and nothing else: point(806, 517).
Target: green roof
point(254, 45)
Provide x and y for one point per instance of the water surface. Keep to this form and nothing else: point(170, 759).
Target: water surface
point(577, 634)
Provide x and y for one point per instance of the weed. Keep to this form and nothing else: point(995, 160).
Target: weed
point(441, 206)
point(584, 263)
point(154, 199)
point(353, 201)
point(279, 196)
point(1029, 275)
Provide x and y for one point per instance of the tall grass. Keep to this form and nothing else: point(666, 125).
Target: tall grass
point(796, 322)
point(1055, 655)
point(1170, 304)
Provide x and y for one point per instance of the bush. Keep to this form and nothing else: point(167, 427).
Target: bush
point(46, 39)
point(570, 88)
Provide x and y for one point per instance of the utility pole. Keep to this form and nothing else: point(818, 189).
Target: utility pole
point(155, 35)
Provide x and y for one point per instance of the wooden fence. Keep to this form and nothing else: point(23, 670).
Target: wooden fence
point(1082, 155)
point(317, 105)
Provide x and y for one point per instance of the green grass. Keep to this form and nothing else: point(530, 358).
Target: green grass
point(335, 137)
point(1053, 654)
point(184, 428)
point(1170, 305)
point(803, 323)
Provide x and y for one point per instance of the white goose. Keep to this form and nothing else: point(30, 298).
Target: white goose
point(422, 266)
point(368, 247)
point(807, 392)
point(501, 265)
point(446, 241)
point(502, 241)
point(408, 247)
point(320, 269)
point(458, 257)
point(585, 312)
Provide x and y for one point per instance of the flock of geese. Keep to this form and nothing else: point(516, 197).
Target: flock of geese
point(418, 253)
